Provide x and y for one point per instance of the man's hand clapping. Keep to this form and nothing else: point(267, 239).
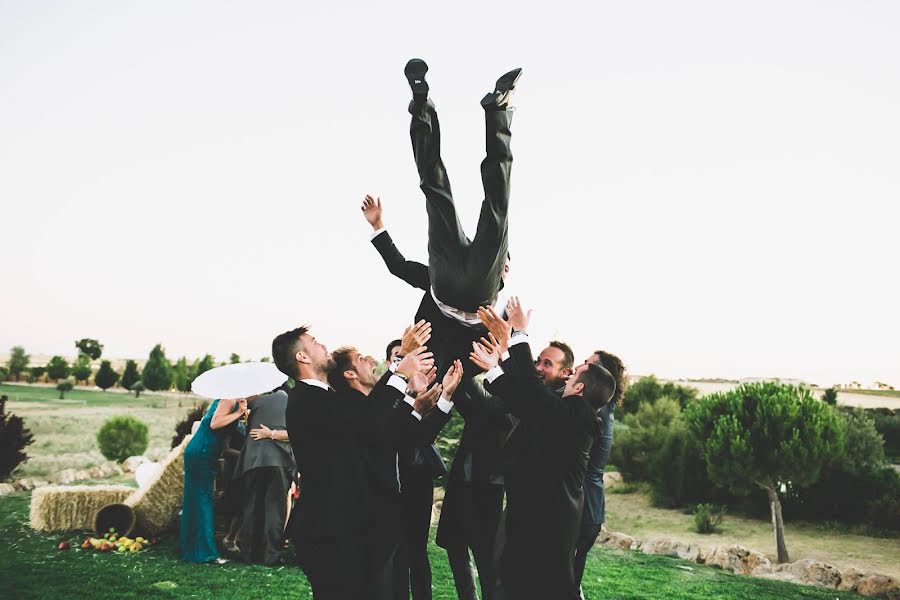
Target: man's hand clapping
point(415, 362)
point(425, 401)
point(419, 382)
point(486, 353)
point(499, 328)
point(518, 317)
point(452, 378)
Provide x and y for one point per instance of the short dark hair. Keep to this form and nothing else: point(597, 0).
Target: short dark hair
point(568, 356)
point(599, 385)
point(391, 346)
point(343, 361)
point(284, 348)
point(616, 367)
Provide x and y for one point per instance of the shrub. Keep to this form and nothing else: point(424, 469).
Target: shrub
point(887, 422)
point(106, 377)
point(157, 373)
point(65, 386)
point(648, 390)
point(14, 436)
point(638, 438)
point(863, 445)
point(678, 472)
point(121, 437)
point(830, 396)
point(130, 375)
point(183, 428)
point(58, 368)
point(137, 387)
point(707, 517)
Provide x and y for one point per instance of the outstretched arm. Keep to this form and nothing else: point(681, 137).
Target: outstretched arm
point(413, 273)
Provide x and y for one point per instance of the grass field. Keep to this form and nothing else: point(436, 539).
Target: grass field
point(32, 568)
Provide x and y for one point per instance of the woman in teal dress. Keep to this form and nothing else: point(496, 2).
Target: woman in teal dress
point(201, 464)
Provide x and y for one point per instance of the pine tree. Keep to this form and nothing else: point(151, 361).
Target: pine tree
point(131, 375)
point(106, 377)
point(158, 370)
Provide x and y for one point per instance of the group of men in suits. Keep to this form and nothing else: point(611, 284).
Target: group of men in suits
point(531, 431)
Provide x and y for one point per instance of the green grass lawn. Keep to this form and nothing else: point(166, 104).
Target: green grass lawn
point(31, 567)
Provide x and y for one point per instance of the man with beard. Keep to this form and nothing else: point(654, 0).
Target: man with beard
point(354, 377)
point(473, 502)
point(325, 431)
point(541, 522)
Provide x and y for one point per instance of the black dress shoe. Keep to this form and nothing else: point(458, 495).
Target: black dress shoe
point(415, 74)
point(500, 97)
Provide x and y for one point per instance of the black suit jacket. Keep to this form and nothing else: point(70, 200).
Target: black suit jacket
point(327, 431)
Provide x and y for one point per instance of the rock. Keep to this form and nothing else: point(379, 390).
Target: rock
point(611, 479)
point(602, 536)
point(850, 580)
point(658, 545)
point(66, 476)
point(6, 488)
point(815, 572)
point(620, 541)
point(436, 511)
point(757, 563)
point(727, 558)
point(879, 586)
point(133, 462)
point(23, 485)
point(96, 473)
point(780, 576)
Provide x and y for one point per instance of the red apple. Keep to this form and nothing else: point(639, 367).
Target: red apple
point(63, 545)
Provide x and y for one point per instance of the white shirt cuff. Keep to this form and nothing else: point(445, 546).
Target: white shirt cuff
point(520, 338)
point(397, 383)
point(413, 413)
point(504, 356)
point(445, 405)
point(494, 372)
point(392, 367)
point(376, 233)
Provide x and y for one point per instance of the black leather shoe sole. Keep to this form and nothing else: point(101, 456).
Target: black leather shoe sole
point(415, 74)
point(499, 98)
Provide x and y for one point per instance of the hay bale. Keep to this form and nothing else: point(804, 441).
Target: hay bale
point(66, 508)
point(156, 506)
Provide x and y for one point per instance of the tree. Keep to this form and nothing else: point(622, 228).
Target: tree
point(18, 361)
point(158, 370)
point(765, 435)
point(91, 347)
point(131, 375)
point(829, 396)
point(106, 377)
point(649, 390)
point(37, 372)
point(181, 375)
point(14, 436)
point(81, 370)
point(641, 435)
point(137, 387)
point(122, 437)
point(202, 366)
point(234, 358)
point(65, 386)
point(58, 368)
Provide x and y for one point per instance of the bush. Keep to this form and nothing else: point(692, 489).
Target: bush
point(157, 373)
point(863, 445)
point(648, 390)
point(121, 437)
point(106, 377)
point(830, 396)
point(887, 422)
point(639, 437)
point(183, 428)
point(130, 375)
point(707, 517)
point(13, 438)
point(678, 472)
point(65, 386)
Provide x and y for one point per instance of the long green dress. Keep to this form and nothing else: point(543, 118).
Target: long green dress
point(201, 465)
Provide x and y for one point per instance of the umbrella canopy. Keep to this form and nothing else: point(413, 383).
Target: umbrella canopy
point(239, 380)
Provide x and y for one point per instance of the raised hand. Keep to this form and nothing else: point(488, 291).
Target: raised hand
point(452, 378)
point(495, 324)
point(415, 336)
point(419, 382)
point(425, 401)
point(518, 317)
point(483, 357)
point(371, 209)
point(416, 361)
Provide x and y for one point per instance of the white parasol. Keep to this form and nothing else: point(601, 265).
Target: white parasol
point(239, 380)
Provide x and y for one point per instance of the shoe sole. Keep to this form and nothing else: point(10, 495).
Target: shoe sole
point(500, 95)
point(415, 71)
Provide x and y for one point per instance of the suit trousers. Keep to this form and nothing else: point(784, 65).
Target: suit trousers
point(265, 506)
point(412, 570)
point(587, 535)
point(335, 567)
point(382, 542)
point(464, 274)
point(480, 506)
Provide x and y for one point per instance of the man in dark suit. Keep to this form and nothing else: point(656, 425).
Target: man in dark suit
point(544, 486)
point(419, 463)
point(325, 429)
point(594, 514)
point(354, 377)
point(266, 466)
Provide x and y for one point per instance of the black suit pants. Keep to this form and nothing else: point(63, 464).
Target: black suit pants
point(586, 538)
point(480, 507)
point(464, 274)
point(335, 567)
point(265, 507)
point(412, 572)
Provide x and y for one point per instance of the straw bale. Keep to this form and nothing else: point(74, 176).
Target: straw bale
point(65, 508)
point(156, 506)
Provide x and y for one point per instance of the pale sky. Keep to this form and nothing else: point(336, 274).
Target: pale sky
point(703, 188)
